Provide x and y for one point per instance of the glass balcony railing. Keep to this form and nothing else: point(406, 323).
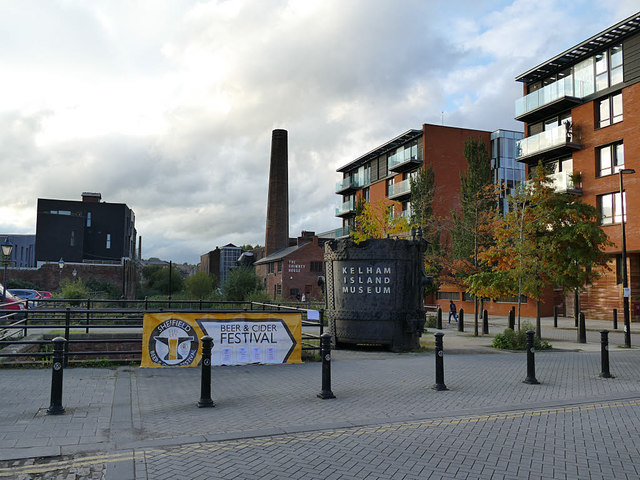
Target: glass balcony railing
point(354, 181)
point(557, 137)
point(346, 207)
point(565, 87)
point(400, 188)
point(404, 156)
point(404, 214)
point(562, 182)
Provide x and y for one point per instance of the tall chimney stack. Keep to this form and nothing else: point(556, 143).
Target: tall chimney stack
point(277, 232)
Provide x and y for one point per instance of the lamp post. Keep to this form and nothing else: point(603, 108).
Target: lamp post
point(61, 265)
point(7, 247)
point(625, 285)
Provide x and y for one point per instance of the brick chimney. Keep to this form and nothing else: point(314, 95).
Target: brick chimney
point(277, 231)
point(90, 197)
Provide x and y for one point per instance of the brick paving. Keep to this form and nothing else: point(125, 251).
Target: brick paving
point(386, 422)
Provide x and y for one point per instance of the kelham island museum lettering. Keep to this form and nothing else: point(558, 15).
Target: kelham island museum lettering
point(366, 280)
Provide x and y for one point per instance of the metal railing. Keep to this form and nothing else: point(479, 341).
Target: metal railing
point(112, 323)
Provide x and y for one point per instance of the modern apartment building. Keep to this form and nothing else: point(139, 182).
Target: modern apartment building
point(385, 173)
point(220, 261)
point(581, 113)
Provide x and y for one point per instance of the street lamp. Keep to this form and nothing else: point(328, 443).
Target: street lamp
point(625, 285)
point(61, 265)
point(7, 247)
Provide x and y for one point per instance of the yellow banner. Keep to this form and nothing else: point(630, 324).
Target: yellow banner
point(174, 339)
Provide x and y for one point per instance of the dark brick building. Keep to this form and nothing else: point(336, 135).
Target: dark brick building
point(84, 231)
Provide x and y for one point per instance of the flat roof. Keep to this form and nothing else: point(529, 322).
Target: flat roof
point(588, 48)
point(385, 147)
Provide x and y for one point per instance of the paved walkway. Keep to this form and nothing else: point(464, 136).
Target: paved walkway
point(386, 422)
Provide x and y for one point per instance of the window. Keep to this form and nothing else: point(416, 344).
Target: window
point(610, 208)
point(448, 296)
point(365, 194)
point(294, 292)
point(108, 240)
point(316, 267)
point(609, 110)
point(271, 267)
point(278, 289)
point(280, 266)
point(610, 159)
point(609, 68)
point(389, 185)
point(512, 299)
point(88, 219)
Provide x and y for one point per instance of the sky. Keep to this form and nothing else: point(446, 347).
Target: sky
point(169, 106)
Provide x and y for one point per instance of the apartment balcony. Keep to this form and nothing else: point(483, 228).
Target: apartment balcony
point(563, 183)
point(351, 184)
point(562, 140)
point(549, 100)
point(400, 191)
point(404, 214)
point(347, 208)
point(406, 160)
point(342, 232)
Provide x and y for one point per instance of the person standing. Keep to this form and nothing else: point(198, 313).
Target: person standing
point(452, 311)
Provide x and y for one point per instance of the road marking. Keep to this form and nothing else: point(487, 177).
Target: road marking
point(281, 439)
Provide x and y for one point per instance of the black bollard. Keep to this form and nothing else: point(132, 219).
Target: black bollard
point(582, 330)
point(615, 318)
point(485, 322)
point(205, 378)
point(439, 319)
point(555, 316)
point(461, 320)
point(531, 361)
point(512, 320)
point(57, 369)
point(604, 353)
point(325, 351)
point(439, 385)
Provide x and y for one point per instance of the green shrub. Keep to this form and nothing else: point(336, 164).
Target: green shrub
point(74, 289)
point(110, 290)
point(512, 340)
point(200, 285)
point(431, 321)
point(22, 284)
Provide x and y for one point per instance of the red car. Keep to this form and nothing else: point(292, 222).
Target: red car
point(44, 294)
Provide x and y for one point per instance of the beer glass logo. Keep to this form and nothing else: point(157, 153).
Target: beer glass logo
point(173, 343)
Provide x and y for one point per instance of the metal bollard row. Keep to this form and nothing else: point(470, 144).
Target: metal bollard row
point(325, 351)
point(57, 370)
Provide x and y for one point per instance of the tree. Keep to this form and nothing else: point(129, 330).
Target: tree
point(546, 239)
point(422, 193)
point(200, 284)
point(159, 280)
point(472, 225)
point(376, 221)
point(240, 284)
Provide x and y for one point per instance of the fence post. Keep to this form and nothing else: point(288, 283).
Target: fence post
point(461, 320)
point(88, 315)
point(485, 322)
point(57, 369)
point(439, 319)
point(26, 323)
point(146, 303)
point(555, 316)
point(325, 351)
point(531, 361)
point(200, 304)
point(205, 378)
point(321, 319)
point(604, 353)
point(582, 330)
point(439, 385)
point(67, 322)
point(615, 318)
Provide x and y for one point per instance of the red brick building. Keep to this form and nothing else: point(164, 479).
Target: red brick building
point(292, 272)
point(581, 111)
point(384, 174)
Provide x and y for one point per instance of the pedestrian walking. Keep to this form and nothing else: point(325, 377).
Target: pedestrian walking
point(452, 311)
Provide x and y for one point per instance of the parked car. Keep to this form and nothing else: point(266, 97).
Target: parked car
point(44, 294)
point(26, 294)
point(12, 304)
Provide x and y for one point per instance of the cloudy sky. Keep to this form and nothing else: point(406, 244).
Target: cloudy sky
point(168, 106)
